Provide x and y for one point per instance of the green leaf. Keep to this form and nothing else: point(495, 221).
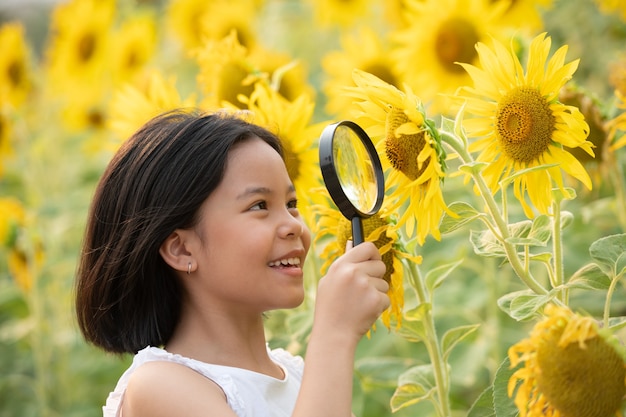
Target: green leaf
point(566, 193)
point(473, 167)
point(527, 233)
point(465, 215)
point(436, 276)
point(589, 277)
point(412, 328)
point(541, 229)
point(616, 323)
point(504, 406)
point(381, 372)
point(567, 218)
point(486, 244)
point(483, 406)
point(523, 305)
point(504, 182)
point(610, 254)
point(454, 336)
point(413, 331)
point(415, 385)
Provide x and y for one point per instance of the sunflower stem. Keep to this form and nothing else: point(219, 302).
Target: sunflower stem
point(617, 175)
point(511, 253)
point(607, 302)
point(432, 343)
point(557, 249)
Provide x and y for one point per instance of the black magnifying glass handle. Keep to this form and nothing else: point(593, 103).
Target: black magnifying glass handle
point(357, 230)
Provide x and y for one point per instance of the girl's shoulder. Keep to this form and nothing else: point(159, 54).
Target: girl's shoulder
point(162, 374)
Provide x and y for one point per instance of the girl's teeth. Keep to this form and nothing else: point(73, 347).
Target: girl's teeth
point(289, 261)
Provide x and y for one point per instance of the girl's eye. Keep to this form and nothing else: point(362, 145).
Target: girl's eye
point(261, 205)
point(292, 204)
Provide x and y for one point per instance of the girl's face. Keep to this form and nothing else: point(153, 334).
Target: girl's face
point(252, 239)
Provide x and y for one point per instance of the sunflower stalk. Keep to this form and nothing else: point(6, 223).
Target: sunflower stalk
point(523, 273)
point(431, 342)
point(557, 249)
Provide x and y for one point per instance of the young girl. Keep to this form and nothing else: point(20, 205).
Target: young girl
point(192, 235)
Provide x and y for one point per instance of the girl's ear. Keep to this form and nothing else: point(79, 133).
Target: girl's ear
point(175, 251)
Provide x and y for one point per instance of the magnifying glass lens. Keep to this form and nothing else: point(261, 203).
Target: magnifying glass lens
point(354, 169)
point(352, 173)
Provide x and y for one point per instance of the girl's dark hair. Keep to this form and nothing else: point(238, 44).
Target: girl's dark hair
point(127, 297)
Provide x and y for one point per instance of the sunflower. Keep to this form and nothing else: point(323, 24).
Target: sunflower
point(519, 122)
point(20, 263)
point(196, 21)
point(342, 13)
point(612, 6)
point(440, 34)
point(135, 43)
point(571, 367)
point(333, 227)
point(618, 123)
point(12, 217)
point(15, 66)
point(527, 11)
point(6, 130)
point(364, 50)
point(413, 157)
point(291, 122)
point(133, 105)
point(78, 53)
point(225, 71)
point(289, 76)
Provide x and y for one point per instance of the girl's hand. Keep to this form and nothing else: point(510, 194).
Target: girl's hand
point(353, 294)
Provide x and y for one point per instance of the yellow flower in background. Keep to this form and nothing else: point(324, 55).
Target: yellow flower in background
point(12, 216)
point(195, 22)
point(291, 121)
point(135, 45)
point(342, 13)
point(518, 122)
point(413, 157)
point(15, 66)
point(364, 50)
point(334, 230)
point(571, 367)
point(6, 129)
point(525, 15)
point(225, 71)
point(438, 35)
point(612, 7)
point(78, 49)
point(288, 76)
point(228, 70)
point(618, 123)
point(133, 105)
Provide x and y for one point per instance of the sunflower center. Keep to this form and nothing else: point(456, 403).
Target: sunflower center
point(369, 225)
point(524, 124)
point(15, 71)
point(381, 71)
point(402, 150)
point(454, 42)
point(86, 47)
point(582, 382)
point(231, 83)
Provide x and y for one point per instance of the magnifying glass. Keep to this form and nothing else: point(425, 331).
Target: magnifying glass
point(352, 173)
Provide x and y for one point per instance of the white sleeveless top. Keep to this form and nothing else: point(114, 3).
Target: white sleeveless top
point(249, 394)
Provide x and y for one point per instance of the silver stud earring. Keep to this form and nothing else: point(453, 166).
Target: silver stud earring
point(189, 268)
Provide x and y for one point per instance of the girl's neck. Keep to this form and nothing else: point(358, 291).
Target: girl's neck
point(224, 339)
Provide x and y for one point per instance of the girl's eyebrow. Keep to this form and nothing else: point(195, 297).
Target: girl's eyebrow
point(261, 190)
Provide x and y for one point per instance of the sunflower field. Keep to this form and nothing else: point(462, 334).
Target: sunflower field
point(501, 127)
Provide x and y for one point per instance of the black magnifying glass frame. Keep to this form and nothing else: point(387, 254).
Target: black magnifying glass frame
point(333, 183)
